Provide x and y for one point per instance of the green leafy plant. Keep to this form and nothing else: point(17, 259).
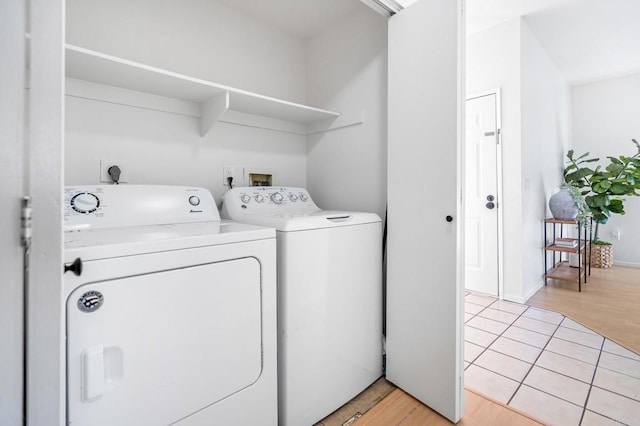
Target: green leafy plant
point(604, 188)
point(584, 212)
point(602, 243)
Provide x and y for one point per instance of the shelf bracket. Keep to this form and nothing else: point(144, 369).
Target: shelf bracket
point(212, 110)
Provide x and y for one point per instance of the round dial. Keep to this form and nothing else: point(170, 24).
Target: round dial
point(259, 198)
point(293, 197)
point(303, 197)
point(245, 198)
point(277, 197)
point(194, 201)
point(85, 202)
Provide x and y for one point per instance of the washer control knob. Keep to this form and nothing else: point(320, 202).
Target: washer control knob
point(245, 198)
point(293, 197)
point(303, 197)
point(277, 197)
point(194, 201)
point(259, 198)
point(85, 202)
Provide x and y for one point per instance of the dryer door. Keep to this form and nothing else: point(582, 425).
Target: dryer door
point(152, 349)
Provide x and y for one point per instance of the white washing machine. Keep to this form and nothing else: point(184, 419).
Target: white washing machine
point(170, 312)
point(329, 298)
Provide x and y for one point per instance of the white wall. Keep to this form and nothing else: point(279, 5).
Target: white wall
point(347, 72)
point(493, 61)
point(200, 38)
point(535, 136)
point(605, 119)
point(546, 137)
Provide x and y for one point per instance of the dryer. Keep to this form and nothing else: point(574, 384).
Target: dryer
point(170, 313)
point(329, 298)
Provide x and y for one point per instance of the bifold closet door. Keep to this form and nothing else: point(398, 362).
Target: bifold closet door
point(12, 93)
point(425, 268)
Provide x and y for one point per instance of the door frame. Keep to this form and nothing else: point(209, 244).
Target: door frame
point(499, 208)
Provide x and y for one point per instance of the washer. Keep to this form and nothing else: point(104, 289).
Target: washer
point(170, 313)
point(329, 298)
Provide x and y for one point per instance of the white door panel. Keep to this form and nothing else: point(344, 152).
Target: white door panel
point(481, 183)
point(12, 72)
point(424, 287)
point(163, 345)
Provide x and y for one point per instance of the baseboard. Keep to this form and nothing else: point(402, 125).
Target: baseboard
point(523, 299)
point(628, 264)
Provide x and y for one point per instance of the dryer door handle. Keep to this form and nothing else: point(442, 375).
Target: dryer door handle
point(93, 373)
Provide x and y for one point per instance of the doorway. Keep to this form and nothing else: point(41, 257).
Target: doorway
point(483, 195)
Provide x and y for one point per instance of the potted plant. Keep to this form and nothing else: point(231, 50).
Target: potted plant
point(604, 189)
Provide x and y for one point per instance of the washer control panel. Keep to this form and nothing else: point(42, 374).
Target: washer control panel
point(103, 206)
point(267, 200)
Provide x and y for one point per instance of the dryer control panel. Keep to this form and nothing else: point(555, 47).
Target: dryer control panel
point(266, 200)
point(115, 206)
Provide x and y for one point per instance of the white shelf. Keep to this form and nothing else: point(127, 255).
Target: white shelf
point(215, 99)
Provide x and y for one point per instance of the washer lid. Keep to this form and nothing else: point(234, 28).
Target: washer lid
point(286, 222)
point(127, 241)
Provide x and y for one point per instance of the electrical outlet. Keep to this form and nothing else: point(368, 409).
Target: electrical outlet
point(231, 172)
point(104, 171)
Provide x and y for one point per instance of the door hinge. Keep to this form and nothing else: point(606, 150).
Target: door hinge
point(25, 221)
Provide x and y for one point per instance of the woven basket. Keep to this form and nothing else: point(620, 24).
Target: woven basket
point(601, 256)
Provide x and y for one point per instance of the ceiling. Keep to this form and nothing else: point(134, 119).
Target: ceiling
point(588, 40)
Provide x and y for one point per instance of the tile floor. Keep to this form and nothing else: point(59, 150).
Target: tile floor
point(548, 366)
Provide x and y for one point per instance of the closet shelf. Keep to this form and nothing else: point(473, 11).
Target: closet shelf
point(215, 99)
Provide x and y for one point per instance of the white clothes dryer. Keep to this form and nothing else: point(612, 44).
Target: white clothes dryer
point(170, 313)
point(329, 298)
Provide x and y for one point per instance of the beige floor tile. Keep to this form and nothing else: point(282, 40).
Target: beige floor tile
point(615, 348)
point(568, 366)
point(546, 407)
point(514, 308)
point(618, 383)
point(472, 308)
point(593, 419)
point(621, 364)
point(542, 315)
point(614, 406)
point(467, 316)
point(496, 315)
point(569, 323)
point(516, 349)
point(489, 383)
point(575, 336)
point(486, 324)
point(479, 337)
point(479, 299)
point(573, 350)
point(503, 364)
point(556, 384)
point(472, 351)
point(535, 325)
point(526, 336)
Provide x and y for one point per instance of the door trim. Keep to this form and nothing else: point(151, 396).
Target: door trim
point(500, 211)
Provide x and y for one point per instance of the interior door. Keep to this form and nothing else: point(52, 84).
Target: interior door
point(481, 195)
point(12, 74)
point(424, 264)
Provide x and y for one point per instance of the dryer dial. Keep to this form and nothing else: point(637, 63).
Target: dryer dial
point(85, 202)
point(259, 198)
point(245, 198)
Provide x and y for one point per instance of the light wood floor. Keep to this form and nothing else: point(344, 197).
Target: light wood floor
point(608, 304)
point(400, 408)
